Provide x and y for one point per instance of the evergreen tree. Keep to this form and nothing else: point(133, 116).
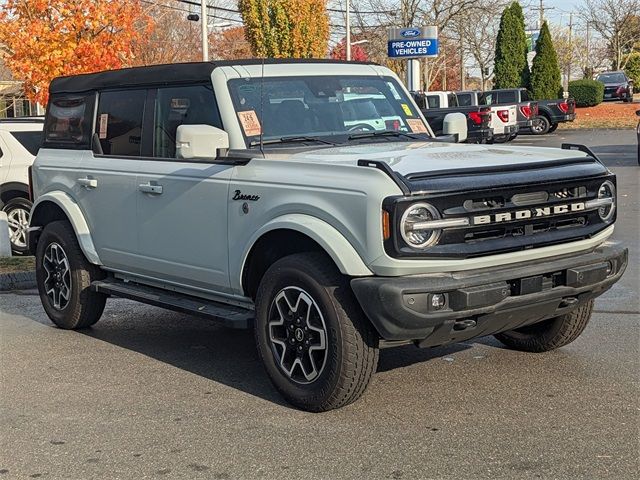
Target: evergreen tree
point(545, 72)
point(511, 69)
point(523, 44)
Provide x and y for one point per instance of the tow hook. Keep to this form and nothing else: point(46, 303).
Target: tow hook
point(568, 302)
point(464, 324)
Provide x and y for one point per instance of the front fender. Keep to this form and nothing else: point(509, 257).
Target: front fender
point(75, 216)
point(331, 240)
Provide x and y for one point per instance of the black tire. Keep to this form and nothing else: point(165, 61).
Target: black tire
point(351, 353)
point(540, 125)
point(549, 334)
point(500, 139)
point(18, 211)
point(83, 307)
point(553, 127)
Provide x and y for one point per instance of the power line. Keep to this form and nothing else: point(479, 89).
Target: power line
point(210, 15)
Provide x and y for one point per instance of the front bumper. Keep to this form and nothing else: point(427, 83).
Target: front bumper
point(487, 300)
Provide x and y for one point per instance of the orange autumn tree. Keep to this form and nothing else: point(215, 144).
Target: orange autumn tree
point(49, 38)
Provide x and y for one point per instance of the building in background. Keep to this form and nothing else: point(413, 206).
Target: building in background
point(13, 103)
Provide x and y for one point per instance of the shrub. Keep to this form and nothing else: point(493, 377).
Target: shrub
point(586, 93)
point(633, 69)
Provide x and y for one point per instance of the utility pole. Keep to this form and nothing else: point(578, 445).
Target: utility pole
point(205, 30)
point(348, 42)
point(588, 68)
point(462, 79)
point(570, 51)
point(541, 9)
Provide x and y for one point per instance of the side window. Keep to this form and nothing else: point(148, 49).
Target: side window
point(433, 101)
point(69, 121)
point(451, 98)
point(524, 96)
point(464, 99)
point(175, 106)
point(119, 122)
point(507, 97)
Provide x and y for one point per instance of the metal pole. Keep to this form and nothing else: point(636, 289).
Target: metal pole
point(588, 69)
point(205, 31)
point(348, 45)
point(570, 50)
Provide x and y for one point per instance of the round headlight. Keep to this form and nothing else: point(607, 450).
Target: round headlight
point(410, 227)
point(607, 191)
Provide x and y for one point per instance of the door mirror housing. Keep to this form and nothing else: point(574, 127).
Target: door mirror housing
point(200, 141)
point(455, 124)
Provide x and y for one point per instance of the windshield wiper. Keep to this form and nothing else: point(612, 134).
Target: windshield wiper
point(383, 133)
point(291, 139)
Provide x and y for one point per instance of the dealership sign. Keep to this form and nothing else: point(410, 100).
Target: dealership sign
point(412, 42)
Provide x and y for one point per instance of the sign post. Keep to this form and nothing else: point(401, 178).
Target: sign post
point(413, 44)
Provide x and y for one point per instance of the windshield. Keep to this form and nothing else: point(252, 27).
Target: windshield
point(322, 106)
point(611, 78)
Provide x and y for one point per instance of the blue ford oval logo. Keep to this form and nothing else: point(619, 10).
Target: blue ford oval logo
point(411, 32)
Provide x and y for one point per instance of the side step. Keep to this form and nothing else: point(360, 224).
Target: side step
point(226, 315)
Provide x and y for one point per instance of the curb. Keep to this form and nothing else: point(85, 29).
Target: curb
point(17, 281)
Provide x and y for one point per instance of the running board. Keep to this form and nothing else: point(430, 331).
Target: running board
point(226, 315)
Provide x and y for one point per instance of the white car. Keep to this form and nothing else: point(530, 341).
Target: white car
point(187, 187)
point(19, 143)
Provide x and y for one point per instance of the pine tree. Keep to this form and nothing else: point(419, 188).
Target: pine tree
point(545, 72)
point(511, 69)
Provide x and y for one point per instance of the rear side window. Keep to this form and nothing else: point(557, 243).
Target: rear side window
point(433, 101)
point(464, 99)
point(119, 122)
point(524, 96)
point(175, 106)
point(29, 140)
point(69, 121)
point(507, 97)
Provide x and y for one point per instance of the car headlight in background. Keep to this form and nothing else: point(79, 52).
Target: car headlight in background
point(607, 194)
point(415, 228)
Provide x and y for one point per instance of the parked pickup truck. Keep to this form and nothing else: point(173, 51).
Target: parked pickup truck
point(479, 128)
point(503, 120)
point(525, 111)
point(550, 112)
point(239, 191)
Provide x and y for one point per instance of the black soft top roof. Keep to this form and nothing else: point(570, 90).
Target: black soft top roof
point(163, 74)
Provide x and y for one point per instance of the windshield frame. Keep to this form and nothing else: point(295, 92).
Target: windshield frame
point(336, 138)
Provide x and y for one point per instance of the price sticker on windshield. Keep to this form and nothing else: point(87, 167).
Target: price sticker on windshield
point(250, 123)
point(416, 125)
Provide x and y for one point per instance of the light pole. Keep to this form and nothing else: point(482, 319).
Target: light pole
point(348, 46)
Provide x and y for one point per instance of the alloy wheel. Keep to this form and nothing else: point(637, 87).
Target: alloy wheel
point(298, 335)
point(57, 284)
point(18, 220)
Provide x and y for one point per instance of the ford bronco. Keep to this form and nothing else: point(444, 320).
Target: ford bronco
point(250, 193)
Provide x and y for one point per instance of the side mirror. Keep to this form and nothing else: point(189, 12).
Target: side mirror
point(638, 113)
point(200, 141)
point(455, 124)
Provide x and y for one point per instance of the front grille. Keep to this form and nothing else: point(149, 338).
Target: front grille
point(498, 235)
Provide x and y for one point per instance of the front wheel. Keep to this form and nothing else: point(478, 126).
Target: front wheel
point(540, 125)
point(64, 277)
point(553, 127)
point(316, 345)
point(18, 211)
point(549, 334)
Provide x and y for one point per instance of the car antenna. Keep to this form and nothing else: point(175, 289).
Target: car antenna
point(262, 107)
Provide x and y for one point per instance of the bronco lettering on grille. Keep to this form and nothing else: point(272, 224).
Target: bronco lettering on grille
point(528, 213)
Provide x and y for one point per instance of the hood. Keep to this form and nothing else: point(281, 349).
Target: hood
point(434, 165)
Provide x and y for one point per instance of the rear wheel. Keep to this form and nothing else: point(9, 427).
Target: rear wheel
point(18, 211)
point(64, 277)
point(549, 334)
point(316, 345)
point(540, 125)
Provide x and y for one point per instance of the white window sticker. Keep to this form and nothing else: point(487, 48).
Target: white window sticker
point(250, 123)
point(102, 130)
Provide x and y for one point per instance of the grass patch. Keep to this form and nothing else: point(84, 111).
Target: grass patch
point(17, 264)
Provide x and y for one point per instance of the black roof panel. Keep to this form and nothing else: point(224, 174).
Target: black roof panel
point(162, 74)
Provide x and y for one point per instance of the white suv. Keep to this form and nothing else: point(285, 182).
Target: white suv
point(19, 143)
point(241, 192)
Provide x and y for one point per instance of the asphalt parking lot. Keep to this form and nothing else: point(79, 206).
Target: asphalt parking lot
point(148, 393)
